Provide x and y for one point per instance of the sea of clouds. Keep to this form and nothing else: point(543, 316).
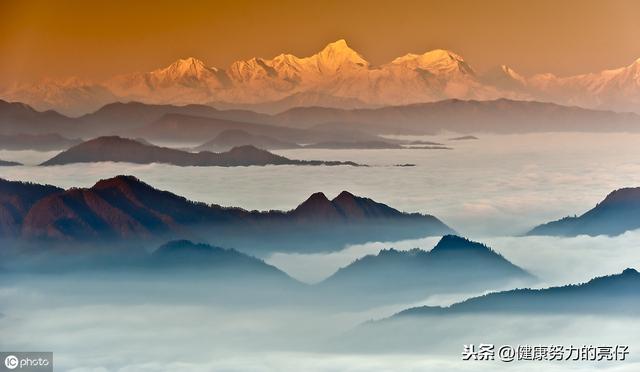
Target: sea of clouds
point(490, 190)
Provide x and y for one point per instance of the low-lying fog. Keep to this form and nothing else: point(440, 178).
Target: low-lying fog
point(111, 331)
point(490, 190)
point(497, 185)
point(555, 260)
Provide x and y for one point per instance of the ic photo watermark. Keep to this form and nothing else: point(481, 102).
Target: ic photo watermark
point(26, 361)
point(510, 353)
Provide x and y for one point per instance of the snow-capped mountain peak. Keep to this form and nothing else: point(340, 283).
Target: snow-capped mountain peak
point(336, 55)
point(435, 61)
point(335, 74)
point(186, 67)
point(504, 77)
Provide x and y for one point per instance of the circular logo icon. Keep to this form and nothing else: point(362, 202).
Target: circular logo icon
point(11, 362)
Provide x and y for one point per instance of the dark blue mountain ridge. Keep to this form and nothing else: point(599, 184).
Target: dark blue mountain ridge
point(617, 213)
point(454, 265)
point(184, 254)
point(619, 294)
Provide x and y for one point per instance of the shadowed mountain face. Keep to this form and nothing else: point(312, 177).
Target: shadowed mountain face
point(618, 294)
point(119, 149)
point(190, 123)
point(617, 213)
point(187, 128)
point(119, 207)
point(125, 209)
point(18, 118)
point(234, 137)
point(186, 255)
point(499, 116)
point(37, 142)
point(121, 117)
point(193, 123)
point(16, 199)
point(454, 265)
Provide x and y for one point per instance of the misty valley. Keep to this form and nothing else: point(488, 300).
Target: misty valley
point(250, 186)
point(316, 277)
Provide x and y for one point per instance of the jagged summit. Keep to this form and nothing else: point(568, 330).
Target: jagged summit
point(338, 53)
point(189, 67)
point(341, 73)
point(437, 60)
point(124, 207)
point(348, 207)
point(344, 195)
point(317, 205)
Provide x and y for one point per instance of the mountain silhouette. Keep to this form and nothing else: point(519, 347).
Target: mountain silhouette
point(186, 255)
point(119, 149)
point(125, 209)
point(308, 125)
point(20, 118)
point(16, 199)
point(455, 264)
point(617, 213)
point(472, 116)
point(37, 142)
point(4, 163)
point(190, 128)
point(613, 294)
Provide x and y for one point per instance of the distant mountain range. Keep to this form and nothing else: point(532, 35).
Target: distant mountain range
point(37, 142)
point(617, 213)
point(499, 116)
point(191, 123)
point(125, 210)
point(197, 123)
point(118, 149)
point(338, 77)
point(613, 294)
point(454, 265)
point(231, 138)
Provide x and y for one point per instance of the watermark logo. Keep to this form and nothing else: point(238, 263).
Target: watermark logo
point(26, 361)
point(11, 361)
point(509, 353)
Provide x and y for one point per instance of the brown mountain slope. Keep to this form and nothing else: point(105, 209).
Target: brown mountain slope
point(16, 199)
point(124, 208)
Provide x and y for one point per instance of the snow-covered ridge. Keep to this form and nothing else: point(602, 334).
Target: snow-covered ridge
point(338, 73)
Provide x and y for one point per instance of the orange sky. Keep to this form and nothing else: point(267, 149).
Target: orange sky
point(96, 39)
